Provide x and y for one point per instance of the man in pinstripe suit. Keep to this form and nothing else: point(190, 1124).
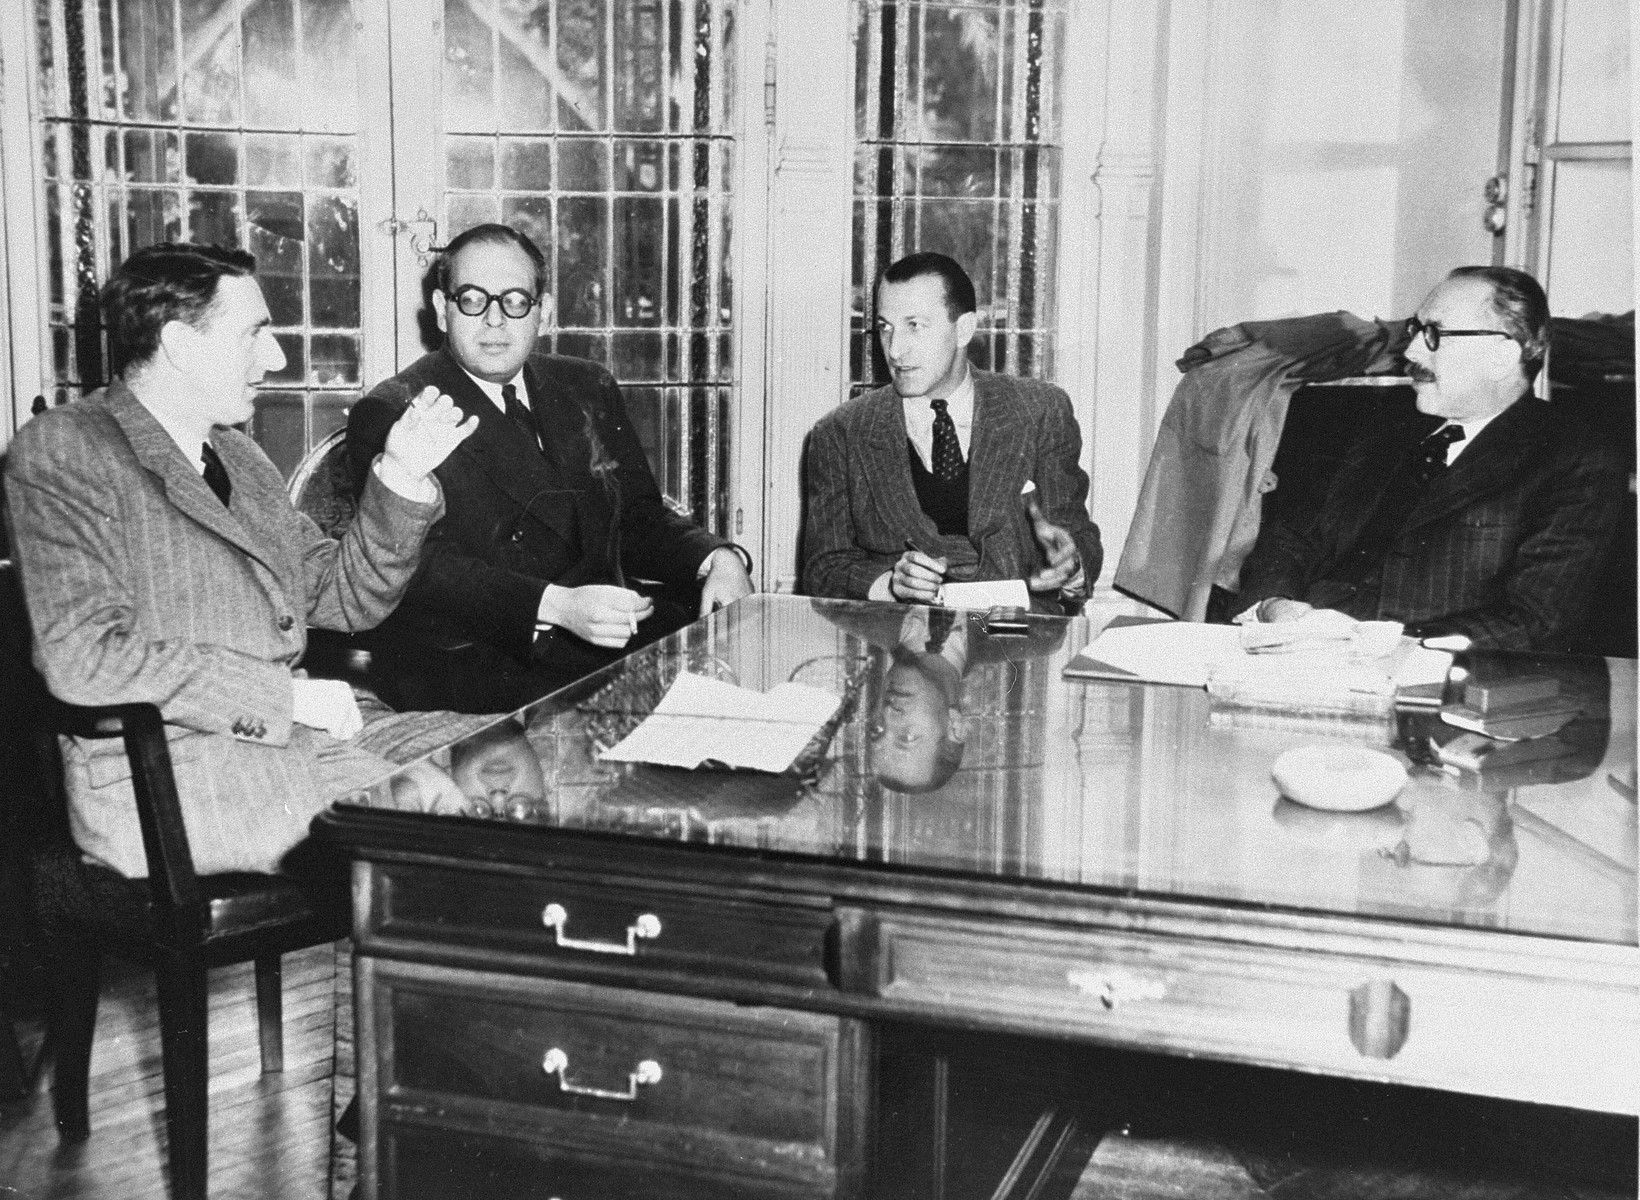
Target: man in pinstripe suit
point(162, 562)
point(951, 473)
point(1490, 521)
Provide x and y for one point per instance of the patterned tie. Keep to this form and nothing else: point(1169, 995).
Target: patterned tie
point(215, 474)
point(519, 414)
point(947, 450)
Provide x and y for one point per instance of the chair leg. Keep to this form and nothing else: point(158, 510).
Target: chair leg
point(72, 979)
point(270, 1021)
point(182, 1024)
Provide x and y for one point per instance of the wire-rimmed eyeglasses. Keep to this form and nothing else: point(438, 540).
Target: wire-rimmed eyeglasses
point(474, 301)
point(1433, 333)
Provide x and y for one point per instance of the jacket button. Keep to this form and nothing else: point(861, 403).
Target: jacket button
point(285, 623)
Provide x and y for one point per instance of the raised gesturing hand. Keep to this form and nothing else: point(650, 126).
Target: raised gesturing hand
point(424, 435)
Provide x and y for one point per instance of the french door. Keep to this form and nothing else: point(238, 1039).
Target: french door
point(343, 141)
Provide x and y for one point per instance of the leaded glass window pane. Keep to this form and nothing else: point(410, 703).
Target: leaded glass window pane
point(957, 150)
point(226, 121)
point(604, 130)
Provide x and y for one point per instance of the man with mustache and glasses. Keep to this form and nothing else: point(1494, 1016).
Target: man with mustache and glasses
point(553, 519)
point(951, 473)
point(1487, 516)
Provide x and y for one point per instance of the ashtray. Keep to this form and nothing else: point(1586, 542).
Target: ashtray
point(1339, 778)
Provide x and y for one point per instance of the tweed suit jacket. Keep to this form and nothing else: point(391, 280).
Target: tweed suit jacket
point(142, 587)
point(862, 507)
point(1504, 547)
point(516, 520)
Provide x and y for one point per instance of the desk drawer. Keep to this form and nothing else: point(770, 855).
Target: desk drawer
point(469, 916)
point(600, 1073)
point(1485, 1029)
point(434, 1164)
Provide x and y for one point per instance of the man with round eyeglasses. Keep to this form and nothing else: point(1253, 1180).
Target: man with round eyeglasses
point(557, 553)
point(1487, 516)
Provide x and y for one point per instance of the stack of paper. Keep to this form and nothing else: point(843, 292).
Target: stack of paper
point(702, 720)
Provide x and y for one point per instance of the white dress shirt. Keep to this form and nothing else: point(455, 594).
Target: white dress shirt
point(919, 418)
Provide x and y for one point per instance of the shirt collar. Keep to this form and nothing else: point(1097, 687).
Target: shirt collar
point(493, 390)
point(959, 404)
point(190, 448)
point(1471, 430)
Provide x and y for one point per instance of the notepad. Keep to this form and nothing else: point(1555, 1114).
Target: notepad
point(704, 721)
point(991, 593)
point(1179, 652)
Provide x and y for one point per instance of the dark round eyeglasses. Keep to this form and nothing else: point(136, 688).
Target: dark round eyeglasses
point(474, 301)
point(1434, 333)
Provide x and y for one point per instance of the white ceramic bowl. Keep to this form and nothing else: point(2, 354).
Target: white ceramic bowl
point(1339, 778)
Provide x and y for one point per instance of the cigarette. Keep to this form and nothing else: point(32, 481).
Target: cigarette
point(632, 622)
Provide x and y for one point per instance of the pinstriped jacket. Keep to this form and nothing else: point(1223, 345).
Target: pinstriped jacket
point(141, 586)
point(861, 506)
point(1504, 547)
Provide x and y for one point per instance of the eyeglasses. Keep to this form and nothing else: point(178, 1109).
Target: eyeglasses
point(474, 301)
point(1434, 333)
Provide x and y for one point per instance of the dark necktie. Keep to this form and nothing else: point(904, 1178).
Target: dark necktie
point(1423, 464)
point(215, 474)
point(947, 450)
point(519, 414)
point(940, 621)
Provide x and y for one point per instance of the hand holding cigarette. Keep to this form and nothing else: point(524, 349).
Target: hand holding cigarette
point(918, 576)
point(599, 613)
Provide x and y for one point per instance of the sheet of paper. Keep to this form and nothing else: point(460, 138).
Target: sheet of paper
point(701, 720)
point(1182, 652)
point(1007, 592)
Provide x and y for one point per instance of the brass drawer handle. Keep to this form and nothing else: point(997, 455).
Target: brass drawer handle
point(555, 917)
point(1116, 987)
point(556, 1062)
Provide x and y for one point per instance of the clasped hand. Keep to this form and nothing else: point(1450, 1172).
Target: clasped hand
point(600, 613)
point(423, 436)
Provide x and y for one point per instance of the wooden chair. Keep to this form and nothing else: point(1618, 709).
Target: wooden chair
point(179, 922)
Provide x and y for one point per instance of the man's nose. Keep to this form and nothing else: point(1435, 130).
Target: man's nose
point(492, 312)
point(273, 355)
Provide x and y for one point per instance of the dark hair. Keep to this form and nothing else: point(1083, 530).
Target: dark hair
point(1519, 302)
point(959, 289)
point(491, 234)
point(171, 281)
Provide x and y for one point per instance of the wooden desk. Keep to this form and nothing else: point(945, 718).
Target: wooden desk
point(672, 983)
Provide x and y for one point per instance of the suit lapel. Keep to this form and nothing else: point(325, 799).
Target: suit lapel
point(185, 488)
point(501, 452)
point(998, 458)
point(1495, 462)
point(886, 469)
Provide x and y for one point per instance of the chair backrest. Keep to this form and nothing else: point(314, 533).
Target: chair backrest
point(179, 914)
point(322, 487)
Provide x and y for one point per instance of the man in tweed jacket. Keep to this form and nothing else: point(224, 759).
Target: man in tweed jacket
point(144, 586)
point(1504, 541)
point(896, 506)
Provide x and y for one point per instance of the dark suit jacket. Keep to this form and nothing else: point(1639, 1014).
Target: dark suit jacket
point(516, 520)
point(862, 506)
point(1504, 547)
point(142, 587)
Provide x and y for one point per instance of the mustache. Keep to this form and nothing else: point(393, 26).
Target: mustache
point(1420, 374)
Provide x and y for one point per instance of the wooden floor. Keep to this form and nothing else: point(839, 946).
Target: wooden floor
point(270, 1134)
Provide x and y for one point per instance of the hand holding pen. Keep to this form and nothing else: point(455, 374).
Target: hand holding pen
point(918, 577)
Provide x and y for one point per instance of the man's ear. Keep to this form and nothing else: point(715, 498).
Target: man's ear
point(956, 725)
point(967, 323)
point(177, 340)
point(438, 311)
point(544, 313)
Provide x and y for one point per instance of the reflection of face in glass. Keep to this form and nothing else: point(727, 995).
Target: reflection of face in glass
point(498, 768)
point(917, 737)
